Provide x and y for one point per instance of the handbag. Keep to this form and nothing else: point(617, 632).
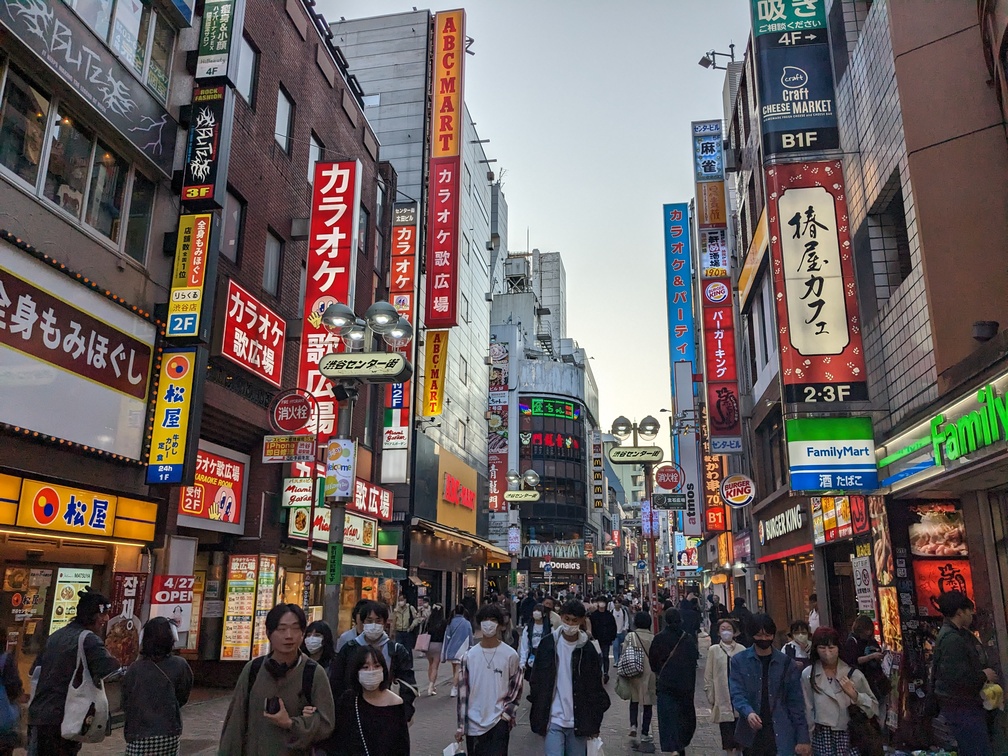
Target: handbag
point(631, 660)
point(864, 732)
point(422, 640)
point(86, 714)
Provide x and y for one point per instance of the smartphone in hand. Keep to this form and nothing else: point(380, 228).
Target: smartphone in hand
point(272, 705)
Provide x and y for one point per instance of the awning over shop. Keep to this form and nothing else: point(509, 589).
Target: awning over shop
point(493, 553)
point(357, 565)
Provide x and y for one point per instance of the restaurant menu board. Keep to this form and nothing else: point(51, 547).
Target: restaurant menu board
point(25, 592)
point(192, 642)
point(265, 596)
point(69, 580)
point(239, 607)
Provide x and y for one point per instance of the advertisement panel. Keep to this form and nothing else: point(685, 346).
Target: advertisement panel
point(216, 500)
point(358, 532)
point(171, 598)
point(76, 364)
point(122, 633)
point(47, 506)
point(208, 148)
point(443, 190)
point(332, 257)
point(70, 581)
point(239, 607)
point(253, 335)
point(340, 466)
point(679, 283)
point(265, 598)
point(497, 425)
point(687, 453)
point(186, 299)
point(172, 408)
point(831, 454)
point(822, 357)
point(600, 490)
point(435, 372)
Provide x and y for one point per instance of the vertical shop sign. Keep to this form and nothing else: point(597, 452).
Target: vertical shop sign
point(340, 466)
point(822, 358)
point(497, 424)
point(208, 148)
point(128, 591)
point(679, 283)
point(444, 201)
point(715, 468)
point(217, 51)
point(687, 453)
point(172, 409)
point(122, 634)
point(253, 335)
point(332, 260)
point(239, 607)
point(265, 597)
point(435, 369)
point(599, 487)
point(186, 299)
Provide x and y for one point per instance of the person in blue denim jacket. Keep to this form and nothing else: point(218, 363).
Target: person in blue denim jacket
point(766, 692)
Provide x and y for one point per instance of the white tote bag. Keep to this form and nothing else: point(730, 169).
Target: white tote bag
point(86, 714)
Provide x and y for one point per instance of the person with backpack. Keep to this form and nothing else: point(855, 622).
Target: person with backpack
point(283, 702)
point(371, 720)
point(154, 690)
point(639, 689)
point(531, 635)
point(356, 625)
point(398, 658)
point(862, 652)
point(58, 662)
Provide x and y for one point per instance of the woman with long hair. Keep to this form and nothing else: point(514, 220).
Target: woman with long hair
point(370, 718)
point(436, 626)
point(457, 639)
point(319, 646)
point(830, 686)
point(532, 633)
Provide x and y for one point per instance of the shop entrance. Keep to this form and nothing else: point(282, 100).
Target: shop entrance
point(840, 579)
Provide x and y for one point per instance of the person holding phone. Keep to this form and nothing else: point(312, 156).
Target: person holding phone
point(267, 715)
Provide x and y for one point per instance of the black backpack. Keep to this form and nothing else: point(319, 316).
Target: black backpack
point(307, 679)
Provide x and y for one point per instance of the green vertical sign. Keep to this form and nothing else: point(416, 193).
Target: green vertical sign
point(334, 566)
point(780, 16)
point(215, 39)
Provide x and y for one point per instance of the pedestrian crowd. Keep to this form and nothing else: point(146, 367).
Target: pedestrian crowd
point(316, 693)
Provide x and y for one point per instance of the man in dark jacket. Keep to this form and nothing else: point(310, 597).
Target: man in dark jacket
point(525, 609)
point(58, 661)
point(743, 618)
point(673, 658)
point(959, 674)
point(567, 694)
point(603, 625)
point(716, 613)
point(689, 608)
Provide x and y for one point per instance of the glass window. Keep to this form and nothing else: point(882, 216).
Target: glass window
point(95, 13)
point(271, 265)
point(108, 187)
point(363, 224)
point(129, 33)
point(284, 120)
point(234, 218)
point(464, 307)
point(23, 115)
point(141, 208)
point(69, 159)
point(314, 155)
point(302, 288)
point(160, 62)
point(463, 370)
point(248, 66)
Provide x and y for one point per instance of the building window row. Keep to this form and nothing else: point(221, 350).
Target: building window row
point(47, 148)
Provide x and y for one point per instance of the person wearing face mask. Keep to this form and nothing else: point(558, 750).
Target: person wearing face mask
point(603, 625)
point(404, 622)
point(318, 646)
point(549, 604)
point(531, 635)
point(800, 645)
point(457, 640)
point(830, 686)
point(640, 690)
point(716, 682)
point(767, 694)
point(624, 624)
point(356, 626)
point(398, 658)
point(489, 687)
point(568, 698)
point(673, 656)
point(370, 718)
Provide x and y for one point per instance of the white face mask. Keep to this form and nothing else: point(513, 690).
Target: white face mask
point(313, 643)
point(373, 630)
point(570, 630)
point(370, 679)
point(489, 627)
point(829, 654)
point(537, 615)
point(801, 638)
point(727, 636)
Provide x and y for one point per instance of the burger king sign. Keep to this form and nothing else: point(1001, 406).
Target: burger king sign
point(738, 491)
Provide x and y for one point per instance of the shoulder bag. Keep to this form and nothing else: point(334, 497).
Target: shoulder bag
point(422, 640)
point(86, 714)
point(864, 732)
point(631, 660)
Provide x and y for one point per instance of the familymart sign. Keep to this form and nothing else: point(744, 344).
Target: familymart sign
point(976, 423)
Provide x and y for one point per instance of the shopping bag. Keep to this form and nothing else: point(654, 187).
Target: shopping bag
point(595, 747)
point(624, 688)
point(86, 713)
point(422, 643)
point(631, 660)
point(453, 748)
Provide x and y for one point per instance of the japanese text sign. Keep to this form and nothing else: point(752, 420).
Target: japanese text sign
point(67, 509)
point(498, 423)
point(371, 500)
point(170, 427)
point(778, 16)
point(186, 299)
point(265, 600)
point(402, 293)
point(435, 370)
point(208, 148)
point(822, 358)
point(218, 492)
point(724, 418)
point(679, 283)
point(239, 607)
point(708, 152)
point(172, 597)
point(253, 335)
point(332, 259)
point(831, 454)
point(216, 35)
point(288, 448)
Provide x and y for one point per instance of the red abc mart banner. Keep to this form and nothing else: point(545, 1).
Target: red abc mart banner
point(332, 260)
point(444, 181)
point(253, 335)
point(822, 358)
point(724, 415)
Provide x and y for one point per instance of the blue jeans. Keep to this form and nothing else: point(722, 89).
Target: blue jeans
point(616, 646)
point(968, 725)
point(561, 741)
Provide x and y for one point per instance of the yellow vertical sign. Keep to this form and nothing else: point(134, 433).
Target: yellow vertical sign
point(435, 364)
point(170, 426)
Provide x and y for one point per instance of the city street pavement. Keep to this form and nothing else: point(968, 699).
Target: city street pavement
point(434, 725)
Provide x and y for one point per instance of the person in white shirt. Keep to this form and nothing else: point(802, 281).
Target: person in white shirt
point(813, 612)
point(531, 635)
point(490, 684)
point(624, 624)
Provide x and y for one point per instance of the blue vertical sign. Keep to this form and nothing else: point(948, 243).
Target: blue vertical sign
point(679, 285)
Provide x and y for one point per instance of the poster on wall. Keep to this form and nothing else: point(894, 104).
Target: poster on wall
point(69, 582)
point(497, 425)
point(122, 633)
point(199, 589)
point(265, 598)
point(171, 597)
point(239, 607)
point(216, 500)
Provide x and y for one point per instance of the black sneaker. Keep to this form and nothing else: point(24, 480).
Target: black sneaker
point(605, 679)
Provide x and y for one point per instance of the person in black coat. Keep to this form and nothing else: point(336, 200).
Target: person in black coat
point(716, 613)
point(689, 610)
point(525, 609)
point(603, 625)
point(743, 618)
point(673, 657)
point(584, 699)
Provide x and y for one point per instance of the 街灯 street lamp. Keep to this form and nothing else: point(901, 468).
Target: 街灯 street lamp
point(647, 430)
point(521, 487)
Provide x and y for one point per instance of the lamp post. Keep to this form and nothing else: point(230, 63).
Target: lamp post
point(647, 429)
point(521, 487)
point(709, 60)
point(349, 370)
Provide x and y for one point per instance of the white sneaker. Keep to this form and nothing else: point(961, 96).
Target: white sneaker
point(454, 691)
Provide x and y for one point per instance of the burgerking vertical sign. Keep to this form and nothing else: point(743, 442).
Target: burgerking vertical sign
point(443, 188)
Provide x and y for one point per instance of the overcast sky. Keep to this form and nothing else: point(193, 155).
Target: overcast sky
point(587, 105)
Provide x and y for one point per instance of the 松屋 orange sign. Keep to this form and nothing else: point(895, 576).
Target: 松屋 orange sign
point(435, 363)
point(449, 55)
